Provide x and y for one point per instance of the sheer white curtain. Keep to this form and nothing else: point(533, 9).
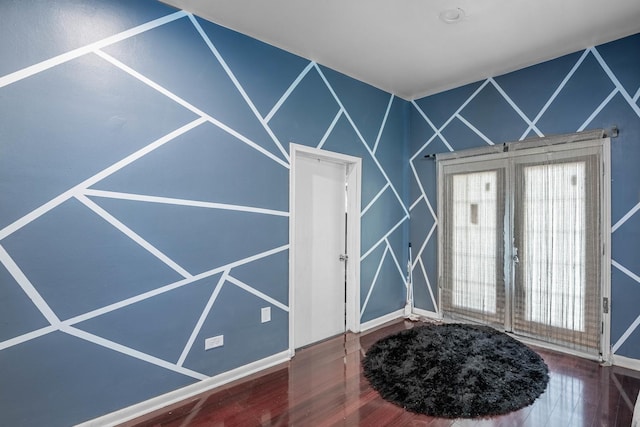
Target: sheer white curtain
point(473, 264)
point(474, 240)
point(554, 204)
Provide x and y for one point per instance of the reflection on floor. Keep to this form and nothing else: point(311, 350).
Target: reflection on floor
point(323, 386)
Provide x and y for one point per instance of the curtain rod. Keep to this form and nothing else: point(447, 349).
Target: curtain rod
point(612, 132)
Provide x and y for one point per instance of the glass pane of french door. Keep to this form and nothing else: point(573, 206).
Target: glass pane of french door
point(473, 261)
point(557, 239)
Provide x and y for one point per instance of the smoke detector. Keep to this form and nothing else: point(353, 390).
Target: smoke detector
point(451, 16)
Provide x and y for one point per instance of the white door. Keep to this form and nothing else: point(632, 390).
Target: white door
point(319, 230)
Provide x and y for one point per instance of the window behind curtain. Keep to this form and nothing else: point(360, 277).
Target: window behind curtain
point(474, 256)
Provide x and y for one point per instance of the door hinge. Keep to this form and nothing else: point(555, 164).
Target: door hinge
point(605, 305)
point(343, 257)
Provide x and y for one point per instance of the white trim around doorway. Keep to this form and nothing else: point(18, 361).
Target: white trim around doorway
point(354, 188)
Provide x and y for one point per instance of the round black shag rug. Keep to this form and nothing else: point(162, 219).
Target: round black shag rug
point(455, 371)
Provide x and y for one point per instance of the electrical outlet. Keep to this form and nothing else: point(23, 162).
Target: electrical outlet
point(265, 314)
point(213, 342)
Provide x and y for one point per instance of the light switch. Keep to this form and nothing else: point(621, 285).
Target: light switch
point(265, 314)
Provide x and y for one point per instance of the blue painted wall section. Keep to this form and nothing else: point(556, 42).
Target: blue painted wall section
point(144, 192)
point(144, 200)
point(595, 88)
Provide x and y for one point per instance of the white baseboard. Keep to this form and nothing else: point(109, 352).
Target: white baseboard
point(399, 314)
point(426, 313)
point(626, 362)
point(159, 402)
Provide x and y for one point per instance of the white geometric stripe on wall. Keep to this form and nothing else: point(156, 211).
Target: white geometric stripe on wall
point(85, 194)
point(630, 99)
point(237, 85)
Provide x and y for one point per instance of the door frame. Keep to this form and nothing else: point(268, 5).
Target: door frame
point(354, 188)
point(506, 153)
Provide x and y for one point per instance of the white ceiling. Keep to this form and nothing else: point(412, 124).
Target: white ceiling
point(402, 47)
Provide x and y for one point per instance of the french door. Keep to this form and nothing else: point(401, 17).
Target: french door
point(521, 241)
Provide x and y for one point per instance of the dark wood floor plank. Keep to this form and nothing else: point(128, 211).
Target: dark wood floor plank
point(323, 385)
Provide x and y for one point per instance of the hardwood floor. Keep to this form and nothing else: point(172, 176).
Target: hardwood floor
point(323, 385)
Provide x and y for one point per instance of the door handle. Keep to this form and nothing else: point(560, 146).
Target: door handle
point(343, 257)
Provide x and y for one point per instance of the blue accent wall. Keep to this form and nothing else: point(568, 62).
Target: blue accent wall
point(595, 88)
point(144, 192)
point(144, 200)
